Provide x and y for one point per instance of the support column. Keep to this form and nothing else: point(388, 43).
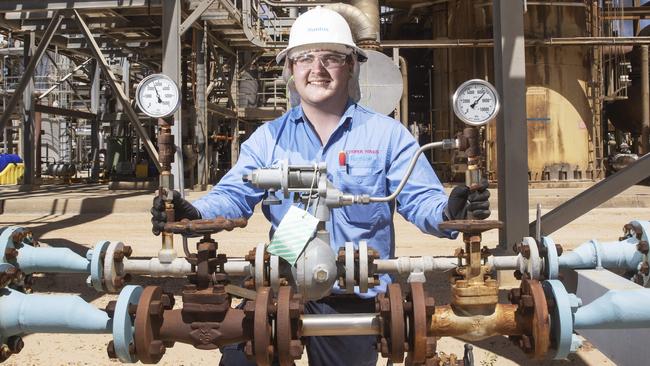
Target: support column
point(512, 144)
point(201, 131)
point(28, 145)
point(172, 67)
point(645, 97)
point(95, 124)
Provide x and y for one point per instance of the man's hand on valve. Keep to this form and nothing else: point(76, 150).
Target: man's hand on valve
point(183, 209)
point(463, 201)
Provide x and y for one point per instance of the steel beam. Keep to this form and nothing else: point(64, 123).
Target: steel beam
point(63, 112)
point(31, 5)
point(203, 6)
point(594, 196)
point(28, 146)
point(512, 143)
point(118, 91)
point(201, 127)
point(29, 69)
point(172, 68)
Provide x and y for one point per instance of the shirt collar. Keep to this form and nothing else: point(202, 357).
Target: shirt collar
point(298, 115)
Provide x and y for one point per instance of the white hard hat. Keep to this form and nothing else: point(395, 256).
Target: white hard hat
point(320, 26)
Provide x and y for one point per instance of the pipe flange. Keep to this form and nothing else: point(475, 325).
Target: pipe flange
point(534, 262)
point(532, 315)
point(260, 266)
point(113, 268)
point(260, 347)
point(363, 266)
point(349, 267)
point(123, 337)
point(422, 307)
point(561, 318)
point(392, 339)
point(287, 323)
point(97, 264)
point(149, 347)
point(551, 261)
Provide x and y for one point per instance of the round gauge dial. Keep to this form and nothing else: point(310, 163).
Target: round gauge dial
point(157, 96)
point(476, 102)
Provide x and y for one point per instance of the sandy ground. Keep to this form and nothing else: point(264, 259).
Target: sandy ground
point(82, 231)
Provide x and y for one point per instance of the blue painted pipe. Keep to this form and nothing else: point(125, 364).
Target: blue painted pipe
point(53, 260)
point(592, 254)
point(617, 309)
point(22, 314)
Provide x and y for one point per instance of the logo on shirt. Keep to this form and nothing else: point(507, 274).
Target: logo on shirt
point(362, 157)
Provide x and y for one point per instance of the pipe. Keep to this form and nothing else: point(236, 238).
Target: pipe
point(340, 324)
point(616, 309)
point(230, 330)
point(370, 8)
point(54, 260)
point(363, 29)
point(645, 100)
point(593, 254)
point(489, 43)
point(445, 322)
point(20, 314)
point(179, 267)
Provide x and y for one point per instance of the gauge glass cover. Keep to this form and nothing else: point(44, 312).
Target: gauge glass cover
point(476, 102)
point(157, 96)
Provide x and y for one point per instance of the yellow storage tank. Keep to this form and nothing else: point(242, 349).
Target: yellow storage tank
point(12, 174)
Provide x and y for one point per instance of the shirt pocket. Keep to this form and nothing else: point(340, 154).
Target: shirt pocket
point(363, 180)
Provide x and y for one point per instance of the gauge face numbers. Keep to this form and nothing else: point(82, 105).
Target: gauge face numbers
point(476, 102)
point(157, 96)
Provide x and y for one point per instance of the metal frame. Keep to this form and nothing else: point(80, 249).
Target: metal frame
point(594, 196)
point(119, 92)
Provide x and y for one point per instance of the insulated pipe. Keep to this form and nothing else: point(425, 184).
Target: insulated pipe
point(53, 260)
point(406, 265)
point(617, 309)
point(363, 29)
point(371, 10)
point(20, 314)
point(340, 324)
point(593, 254)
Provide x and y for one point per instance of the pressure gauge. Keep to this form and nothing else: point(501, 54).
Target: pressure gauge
point(157, 96)
point(476, 102)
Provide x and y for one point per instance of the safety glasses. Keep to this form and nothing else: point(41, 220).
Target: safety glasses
point(328, 60)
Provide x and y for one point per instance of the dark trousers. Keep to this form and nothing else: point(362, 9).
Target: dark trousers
point(325, 351)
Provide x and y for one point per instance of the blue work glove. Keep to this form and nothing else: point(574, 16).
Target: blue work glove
point(462, 201)
point(183, 209)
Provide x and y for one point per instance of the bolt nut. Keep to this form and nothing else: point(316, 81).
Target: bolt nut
point(110, 350)
point(320, 274)
point(645, 268)
point(518, 275)
point(118, 282)
point(559, 249)
point(643, 247)
point(156, 307)
point(110, 308)
point(5, 352)
point(11, 253)
point(118, 255)
point(15, 344)
point(430, 305)
point(157, 348)
point(127, 250)
point(295, 349)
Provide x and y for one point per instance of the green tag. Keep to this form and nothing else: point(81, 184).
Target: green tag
point(293, 233)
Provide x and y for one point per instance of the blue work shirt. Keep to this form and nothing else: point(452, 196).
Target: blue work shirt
point(378, 150)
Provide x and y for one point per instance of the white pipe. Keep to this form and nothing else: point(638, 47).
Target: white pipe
point(339, 324)
point(179, 267)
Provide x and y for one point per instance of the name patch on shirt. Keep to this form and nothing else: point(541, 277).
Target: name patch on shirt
point(362, 158)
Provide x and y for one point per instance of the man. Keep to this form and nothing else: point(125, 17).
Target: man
point(366, 153)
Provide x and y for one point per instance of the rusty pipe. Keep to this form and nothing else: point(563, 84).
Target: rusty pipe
point(201, 334)
point(446, 323)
